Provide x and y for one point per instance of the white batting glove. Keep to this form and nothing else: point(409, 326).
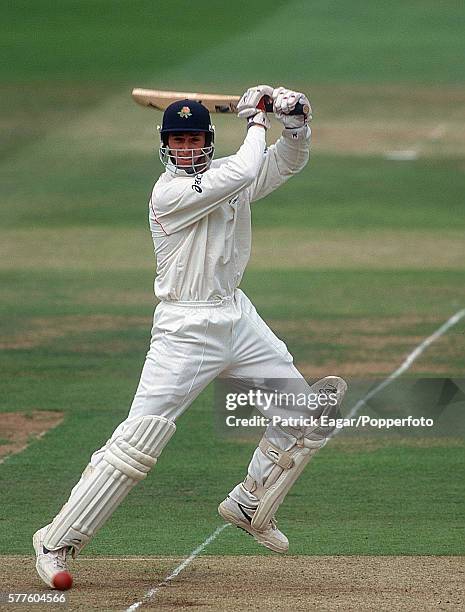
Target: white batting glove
point(259, 119)
point(247, 105)
point(284, 101)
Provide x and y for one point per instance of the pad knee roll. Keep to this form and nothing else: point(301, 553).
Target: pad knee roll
point(127, 460)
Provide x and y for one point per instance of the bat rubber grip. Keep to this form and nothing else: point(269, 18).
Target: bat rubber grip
point(266, 104)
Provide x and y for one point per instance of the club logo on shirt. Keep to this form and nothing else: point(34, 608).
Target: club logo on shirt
point(197, 182)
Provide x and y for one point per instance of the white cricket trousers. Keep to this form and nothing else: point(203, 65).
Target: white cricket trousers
point(194, 342)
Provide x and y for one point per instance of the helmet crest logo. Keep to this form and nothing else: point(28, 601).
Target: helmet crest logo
point(185, 112)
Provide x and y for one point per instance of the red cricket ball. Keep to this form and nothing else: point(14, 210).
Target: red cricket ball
point(63, 581)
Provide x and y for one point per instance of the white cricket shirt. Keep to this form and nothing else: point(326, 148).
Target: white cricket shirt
point(200, 223)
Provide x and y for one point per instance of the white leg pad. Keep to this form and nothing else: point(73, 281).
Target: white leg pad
point(127, 460)
point(290, 464)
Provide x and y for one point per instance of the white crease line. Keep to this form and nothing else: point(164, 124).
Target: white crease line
point(153, 591)
point(454, 319)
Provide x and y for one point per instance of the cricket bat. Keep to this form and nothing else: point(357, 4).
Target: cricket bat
point(216, 103)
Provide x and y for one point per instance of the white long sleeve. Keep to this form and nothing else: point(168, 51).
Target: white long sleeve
point(286, 157)
point(201, 225)
point(179, 201)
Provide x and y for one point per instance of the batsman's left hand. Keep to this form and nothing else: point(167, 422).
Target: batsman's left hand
point(284, 101)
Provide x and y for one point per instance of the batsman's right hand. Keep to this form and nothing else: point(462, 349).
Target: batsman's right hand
point(247, 105)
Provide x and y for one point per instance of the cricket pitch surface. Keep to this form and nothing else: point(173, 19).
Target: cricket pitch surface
point(252, 583)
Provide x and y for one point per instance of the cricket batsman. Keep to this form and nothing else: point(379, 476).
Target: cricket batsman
point(204, 326)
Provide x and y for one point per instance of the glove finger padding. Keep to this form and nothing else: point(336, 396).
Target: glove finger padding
point(284, 101)
point(247, 105)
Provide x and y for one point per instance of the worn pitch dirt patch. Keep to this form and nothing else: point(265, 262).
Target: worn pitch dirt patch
point(256, 583)
point(17, 429)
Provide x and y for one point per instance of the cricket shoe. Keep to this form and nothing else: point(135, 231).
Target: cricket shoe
point(51, 564)
point(241, 516)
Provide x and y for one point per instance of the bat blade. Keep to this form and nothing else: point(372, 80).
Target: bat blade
point(216, 103)
point(160, 99)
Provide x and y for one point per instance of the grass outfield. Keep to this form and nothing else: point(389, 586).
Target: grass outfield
point(65, 353)
point(367, 257)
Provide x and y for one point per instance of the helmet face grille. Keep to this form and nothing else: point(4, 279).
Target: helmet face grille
point(190, 161)
point(209, 137)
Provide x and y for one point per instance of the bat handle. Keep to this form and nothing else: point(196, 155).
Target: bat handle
point(266, 104)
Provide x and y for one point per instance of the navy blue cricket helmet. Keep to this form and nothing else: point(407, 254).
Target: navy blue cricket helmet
point(186, 116)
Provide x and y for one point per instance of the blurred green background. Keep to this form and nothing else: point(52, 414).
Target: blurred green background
point(354, 261)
